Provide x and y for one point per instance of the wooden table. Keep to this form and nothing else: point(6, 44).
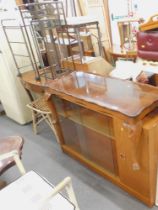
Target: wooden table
point(109, 125)
point(29, 193)
point(117, 52)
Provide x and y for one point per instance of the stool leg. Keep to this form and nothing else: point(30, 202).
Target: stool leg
point(52, 127)
point(34, 120)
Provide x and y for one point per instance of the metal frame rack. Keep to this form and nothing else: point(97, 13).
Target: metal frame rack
point(8, 26)
point(49, 38)
point(40, 25)
point(48, 20)
point(81, 24)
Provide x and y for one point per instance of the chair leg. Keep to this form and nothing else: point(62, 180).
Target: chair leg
point(34, 120)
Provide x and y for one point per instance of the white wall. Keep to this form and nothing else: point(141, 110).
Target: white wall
point(145, 9)
point(12, 93)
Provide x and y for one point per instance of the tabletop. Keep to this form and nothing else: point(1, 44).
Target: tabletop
point(27, 192)
point(123, 96)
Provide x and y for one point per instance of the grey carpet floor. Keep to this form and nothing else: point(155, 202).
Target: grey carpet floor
point(42, 154)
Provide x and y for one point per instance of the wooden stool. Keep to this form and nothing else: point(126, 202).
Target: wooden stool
point(40, 112)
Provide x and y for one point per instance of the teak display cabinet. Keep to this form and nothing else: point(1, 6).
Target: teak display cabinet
point(109, 125)
point(111, 147)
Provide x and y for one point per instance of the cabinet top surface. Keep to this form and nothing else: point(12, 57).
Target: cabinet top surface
point(123, 96)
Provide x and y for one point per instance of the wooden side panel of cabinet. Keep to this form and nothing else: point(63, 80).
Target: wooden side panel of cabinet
point(137, 156)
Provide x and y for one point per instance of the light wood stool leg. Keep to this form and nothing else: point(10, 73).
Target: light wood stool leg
point(34, 120)
point(52, 127)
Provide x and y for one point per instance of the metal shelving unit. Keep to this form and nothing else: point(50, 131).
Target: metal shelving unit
point(49, 38)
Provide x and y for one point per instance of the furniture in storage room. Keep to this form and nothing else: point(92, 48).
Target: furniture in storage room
point(147, 39)
point(37, 38)
point(10, 154)
point(99, 128)
point(83, 59)
point(41, 112)
point(151, 24)
point(147, 44)
point(90, 64)
point(62, 39)
point(128, 43)
point(127, 31)
point(34, 192)
point(117, 52)
point(77, 26)
point(54, 44)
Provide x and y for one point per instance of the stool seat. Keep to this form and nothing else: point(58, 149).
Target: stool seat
point(39, 105)
point(7, 145)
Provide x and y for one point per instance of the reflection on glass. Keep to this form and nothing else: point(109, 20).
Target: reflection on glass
point(87, 132)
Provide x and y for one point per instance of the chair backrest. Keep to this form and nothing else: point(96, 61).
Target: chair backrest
point(10, 153)
point(127, 31)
